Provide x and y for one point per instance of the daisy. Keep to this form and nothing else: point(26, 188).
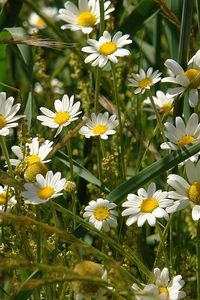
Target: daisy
point(185, 79)
point(37, 22)
point(144, 81)
point(100, 125)
point(36, 152)
point(85, 16)
point(101, 214)
point(66, 112)
point(186, 191)
point(106, 49)
point(163, 102)
point(181, 135)
point(146, 206)
point(7, 114)
point(148, 292)
point(44, 189)
point(10, 200)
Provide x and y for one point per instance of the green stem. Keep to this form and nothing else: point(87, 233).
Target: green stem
point(102, 18)
point(157, 116)
point(120, 123)
point(97, 88)
point(162, 240)
point(38, 217)
point(99, 160)
point(198, 259)
point(69, 150)
point(5, 153)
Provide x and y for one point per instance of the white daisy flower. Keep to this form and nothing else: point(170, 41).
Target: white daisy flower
point(186, 191)
point(10, 202)
point(169, 289)
point(85, 16)
point(44, 189)
point(184, 78)
point(163, 288)
point(66, 112)
point(36, 152)
point(102, 214)
point(100, 125)
point(8, 112)
point(144, 81)
point(146, 206)
point(106, 49)
point(163, 102)
point(37, 22)
point(182, 135)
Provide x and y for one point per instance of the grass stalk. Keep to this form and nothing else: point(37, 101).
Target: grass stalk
point(5, 153)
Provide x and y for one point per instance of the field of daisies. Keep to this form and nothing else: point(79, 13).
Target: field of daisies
point(99, 149)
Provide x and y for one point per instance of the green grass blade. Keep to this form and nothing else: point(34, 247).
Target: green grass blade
point(28, 109)
point(151, 172)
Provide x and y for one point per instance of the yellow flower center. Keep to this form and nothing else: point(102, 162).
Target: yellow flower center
point(99, 129)
point(144, 83)
point(40, 23)
point(45, 192)
point(31, 159)
point(61, 117)
point(191, 74)
point(186, 140)
point(148, 205)
point(107, 48)
point(167, 108)
point(101, 213)
point(86, 19)
point(3, 198)
point(194, 192)
point(164, 290)
point(2, 121)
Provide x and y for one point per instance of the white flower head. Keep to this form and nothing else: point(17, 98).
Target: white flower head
point(37, 22)
point(144, 80)
point(10, 200)
point(186, 191)
point(148, 292)
point(37, 152)
point(66, 112)
point(85, 16)
point(182, 135)
point(163, 102)
point(101, 125)
point(106, 49)
point(8, 112)
point(102, 214)
point(185, 78)
point(146, 206)
point(44, 189)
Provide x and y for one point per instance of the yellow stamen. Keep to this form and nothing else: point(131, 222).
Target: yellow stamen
point(148, 205)
point(167, 108)
point(194, 192)
point(186, 140)
point(164, 290)
point(86, 19)
point(61, 117)
point(101, 213)
point(45, 192)
point(2, 121)
point(31, 159)
point(145, 83)
point(191, 74)
point(3, 198)
point(40, 23)
point(99, 129)
point(108, 48)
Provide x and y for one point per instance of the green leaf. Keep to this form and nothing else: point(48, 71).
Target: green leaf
point(81, 171)
point(143, 11)
point(28, 109)
point(151, 173)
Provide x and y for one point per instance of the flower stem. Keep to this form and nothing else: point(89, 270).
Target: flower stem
point(102, 18)
point(120, 122)
point(157, 116)
point(99, 160)
point(97, 87)
point(5, 153)
point(198, 259)
point(162, 240)
point(69, 150)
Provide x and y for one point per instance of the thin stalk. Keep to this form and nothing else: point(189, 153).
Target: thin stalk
point(38, 217)
point(99, 161)
point(123, 174)
point(103, 150)
point(69, 150)
point(97, 88)
point(198, 259)
point(102, 18)
point(162, 240)
point(5, 153)
point(157, 116)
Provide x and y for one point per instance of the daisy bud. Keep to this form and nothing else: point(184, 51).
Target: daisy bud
point(33, 170)
point(70, 187)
